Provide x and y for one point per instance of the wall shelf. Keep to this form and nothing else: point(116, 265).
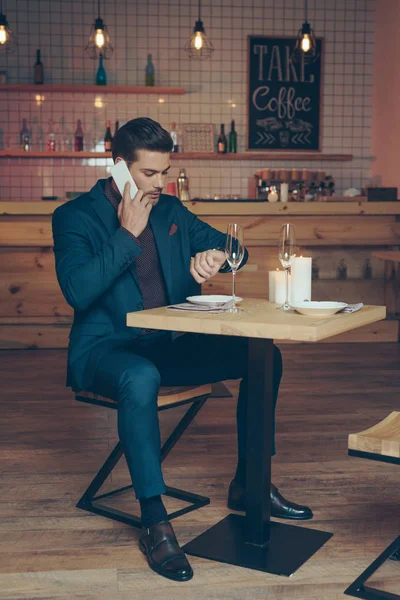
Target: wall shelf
point(189, 155)
point(92, 89)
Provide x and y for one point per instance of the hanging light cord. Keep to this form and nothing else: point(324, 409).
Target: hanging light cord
point(98, 7)
point(306, 9)
point(199, 12)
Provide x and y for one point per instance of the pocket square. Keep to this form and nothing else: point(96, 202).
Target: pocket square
point(173, 229)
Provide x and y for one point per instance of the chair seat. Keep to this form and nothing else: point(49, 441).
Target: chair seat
point(381, 439)
point(167, 396)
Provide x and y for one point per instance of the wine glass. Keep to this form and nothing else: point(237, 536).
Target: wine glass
point(287, 254)
point(234, 252)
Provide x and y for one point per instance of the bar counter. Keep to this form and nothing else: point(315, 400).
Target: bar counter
point(33, 312)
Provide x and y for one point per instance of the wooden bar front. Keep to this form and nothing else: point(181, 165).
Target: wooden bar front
point(33, 312)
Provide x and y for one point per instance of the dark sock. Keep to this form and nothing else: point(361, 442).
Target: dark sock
point(153, 511)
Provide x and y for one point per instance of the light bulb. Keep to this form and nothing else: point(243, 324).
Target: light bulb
point(306, 42)
point(3, 34)
point(99, 38)
point(198, 41)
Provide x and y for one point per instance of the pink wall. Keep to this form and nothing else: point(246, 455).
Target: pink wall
point(386, 94)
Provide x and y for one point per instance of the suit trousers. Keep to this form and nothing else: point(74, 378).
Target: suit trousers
point(133, 374)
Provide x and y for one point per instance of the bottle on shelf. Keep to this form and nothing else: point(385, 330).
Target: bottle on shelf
point(101, 77)
point(25, 137)
point(116, 127)
point(342, 270)
point(150, 71)
point(233, 139)
point(367, 269)
point(174, 136)
point(183, 186)
point(314, 270)
point(38, 69)
point(78, 144)
point(51, 138)
point(222, 144)
point(108, 138)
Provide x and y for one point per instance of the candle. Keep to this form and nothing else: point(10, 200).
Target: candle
point(284, 192)
point(301, 280)
point(277, 286)
point(272, 278)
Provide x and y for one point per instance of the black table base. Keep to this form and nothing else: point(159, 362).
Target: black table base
point(289, 546)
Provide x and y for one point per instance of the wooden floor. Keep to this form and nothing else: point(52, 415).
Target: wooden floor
point(51, 447)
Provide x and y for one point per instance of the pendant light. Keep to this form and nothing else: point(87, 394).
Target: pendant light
point(8, 42)
point(99, 40)
point(199, 46)
point(306, 45)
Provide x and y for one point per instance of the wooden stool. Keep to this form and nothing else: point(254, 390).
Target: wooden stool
point(380, 442)
point(168, 397)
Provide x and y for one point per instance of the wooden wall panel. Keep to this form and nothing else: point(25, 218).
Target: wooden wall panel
point(32, 306)
point(33, 336)
point(317, 231)
point(31, 294)
point(26, 231)
point(27, 260)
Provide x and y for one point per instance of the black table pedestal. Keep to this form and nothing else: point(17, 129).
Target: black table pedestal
point(289, 547)
point(254, 541)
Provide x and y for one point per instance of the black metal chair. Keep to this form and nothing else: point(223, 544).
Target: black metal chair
point(169, 397)
point(380, 442)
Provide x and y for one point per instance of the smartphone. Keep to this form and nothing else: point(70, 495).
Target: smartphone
point(120, 174)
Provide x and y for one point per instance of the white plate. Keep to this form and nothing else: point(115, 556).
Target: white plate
point(319, 309)
point(214, 300)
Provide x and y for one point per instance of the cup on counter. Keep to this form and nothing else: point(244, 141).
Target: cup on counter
point(284, 175)
point(266, 174)
point(296, 174)
point(171, 188)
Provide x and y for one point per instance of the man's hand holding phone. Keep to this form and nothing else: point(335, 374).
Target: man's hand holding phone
point(134, 214)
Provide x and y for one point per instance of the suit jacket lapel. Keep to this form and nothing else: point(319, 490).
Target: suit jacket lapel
point(108, 216)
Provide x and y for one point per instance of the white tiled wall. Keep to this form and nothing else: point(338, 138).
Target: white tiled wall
point(60, 28)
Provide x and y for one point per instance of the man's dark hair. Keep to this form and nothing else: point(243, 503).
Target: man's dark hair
point(140, 134)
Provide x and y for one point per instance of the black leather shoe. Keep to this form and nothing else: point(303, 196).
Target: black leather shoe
point(160, 546)
point(280, 507)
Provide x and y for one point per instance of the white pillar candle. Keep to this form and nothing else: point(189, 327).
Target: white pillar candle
point(284, 192)
point(301, 280)
point(272, 279)
point(280, 287)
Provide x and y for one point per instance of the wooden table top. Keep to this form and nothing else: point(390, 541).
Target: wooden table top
point(393, 255)
point(259, 319)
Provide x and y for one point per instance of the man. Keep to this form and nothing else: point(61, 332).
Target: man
point(116, 255)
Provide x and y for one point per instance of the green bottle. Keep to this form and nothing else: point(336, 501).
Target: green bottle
point(233, 139)
point(101, 77)
point(150, 71)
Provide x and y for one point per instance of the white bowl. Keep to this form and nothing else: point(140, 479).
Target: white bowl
point(319, 309)
point(213, 300)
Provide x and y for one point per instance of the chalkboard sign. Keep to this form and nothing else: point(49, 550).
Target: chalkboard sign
point(284, 97)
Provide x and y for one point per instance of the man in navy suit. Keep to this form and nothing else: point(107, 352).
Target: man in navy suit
point(115, 255)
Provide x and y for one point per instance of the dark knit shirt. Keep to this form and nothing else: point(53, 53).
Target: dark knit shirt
point(147, 264)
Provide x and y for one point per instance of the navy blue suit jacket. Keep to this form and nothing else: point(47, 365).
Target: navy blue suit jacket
point(95, 265)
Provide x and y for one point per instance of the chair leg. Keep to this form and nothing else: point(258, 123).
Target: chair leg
point(101, 476)
point(90, 502)
point(182, 426)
